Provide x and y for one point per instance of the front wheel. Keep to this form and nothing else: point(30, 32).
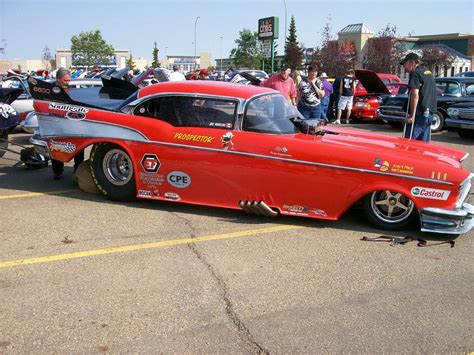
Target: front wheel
point(438, 122)
point(389, 210)
point(112, 171)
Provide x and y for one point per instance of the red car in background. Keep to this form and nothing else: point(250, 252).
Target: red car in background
point(369, 90)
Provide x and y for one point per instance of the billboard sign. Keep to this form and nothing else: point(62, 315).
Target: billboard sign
point(268, 28)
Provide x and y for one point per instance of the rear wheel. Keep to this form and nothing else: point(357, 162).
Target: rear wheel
point(438, 122)
point(112, 171)
point(389, 210)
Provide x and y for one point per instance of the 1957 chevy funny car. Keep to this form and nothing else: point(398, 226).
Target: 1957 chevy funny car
point(245, 147)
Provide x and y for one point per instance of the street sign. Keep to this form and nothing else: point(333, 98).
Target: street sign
point(268, 28)
point(266, 48)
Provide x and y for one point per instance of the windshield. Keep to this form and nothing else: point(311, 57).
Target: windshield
point(270, 113)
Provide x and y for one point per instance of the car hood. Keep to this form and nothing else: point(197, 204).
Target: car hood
point(378, 144)
point(371, 82)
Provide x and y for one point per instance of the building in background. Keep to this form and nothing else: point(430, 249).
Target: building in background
point(187, 63)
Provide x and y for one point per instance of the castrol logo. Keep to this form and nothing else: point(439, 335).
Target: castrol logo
point(432, 194)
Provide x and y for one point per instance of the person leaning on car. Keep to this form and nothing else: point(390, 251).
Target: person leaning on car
point(63, 77)
point(283, 83)
point(422, 103)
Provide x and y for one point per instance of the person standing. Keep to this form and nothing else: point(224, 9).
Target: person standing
point(422, 97)
point(327, 94)
point(311, 90)
point(346, 94)
point(283, 83)
point(176, 75)
point(63, 77)
point(204, 74)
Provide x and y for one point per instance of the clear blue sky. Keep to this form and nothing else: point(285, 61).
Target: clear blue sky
point(29, 25)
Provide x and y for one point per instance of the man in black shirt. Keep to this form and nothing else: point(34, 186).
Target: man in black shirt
point(422, 96)
point(346, 94)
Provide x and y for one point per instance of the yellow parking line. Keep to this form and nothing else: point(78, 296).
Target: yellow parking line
point(33, 194)
point(153, 245)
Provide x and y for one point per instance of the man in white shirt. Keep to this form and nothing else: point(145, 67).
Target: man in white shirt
point(176, 75)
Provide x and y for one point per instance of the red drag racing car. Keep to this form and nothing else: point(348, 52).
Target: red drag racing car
point(245, 147)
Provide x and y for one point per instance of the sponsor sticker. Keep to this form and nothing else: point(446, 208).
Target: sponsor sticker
point(296, 208)
point(150, 163)
point(65, 147)
point(33, 81)
point(193, 137)
point(429, 193)
point(144, 193)
point(385, 166)
point(172, 196)
point(41, 90)
point(67, 107)
point(75, 115)
point(151, 180)
point(179, 179)
point(56, 89)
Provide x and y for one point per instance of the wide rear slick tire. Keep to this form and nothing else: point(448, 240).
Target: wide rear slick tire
point(112, 171)
point(390, 210)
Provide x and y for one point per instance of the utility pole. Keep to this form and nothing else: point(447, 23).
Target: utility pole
point(195, 24)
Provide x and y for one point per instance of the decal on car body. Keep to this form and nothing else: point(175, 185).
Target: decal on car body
point(429, 193)
point(179, 179)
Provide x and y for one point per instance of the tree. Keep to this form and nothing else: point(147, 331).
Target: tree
point(384, 52)
point(247, 53)
point(436, 58)
point(155, 62)
point(90, 49)
point(130, 63)
point(293, 52)
point(333, 57)
point(46, 58)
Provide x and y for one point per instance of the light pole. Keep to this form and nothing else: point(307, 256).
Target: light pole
point(195, 24)
point(284, 1)
point(221, 53)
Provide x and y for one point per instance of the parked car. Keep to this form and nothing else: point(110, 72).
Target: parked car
point(461, 117)
point(247, 148)
point(450, 91)
point(465, 74)
point(370, 90)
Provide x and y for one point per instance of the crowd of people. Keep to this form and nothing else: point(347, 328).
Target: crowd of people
point(313, 95)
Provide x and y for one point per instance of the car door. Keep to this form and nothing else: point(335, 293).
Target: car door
point(190, 157)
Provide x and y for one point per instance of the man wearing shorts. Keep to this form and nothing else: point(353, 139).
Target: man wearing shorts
point(346, 92)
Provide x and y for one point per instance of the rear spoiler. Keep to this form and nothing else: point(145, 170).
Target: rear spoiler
point(42, 90)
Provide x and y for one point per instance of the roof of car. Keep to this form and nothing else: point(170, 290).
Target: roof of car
point(456, 78)
point(205, 87)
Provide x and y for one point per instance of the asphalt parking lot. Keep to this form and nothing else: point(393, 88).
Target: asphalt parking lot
point(82, 274)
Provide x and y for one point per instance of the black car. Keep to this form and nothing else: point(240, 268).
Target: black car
point(461, 117)
point(451, 91)
point(464, 74)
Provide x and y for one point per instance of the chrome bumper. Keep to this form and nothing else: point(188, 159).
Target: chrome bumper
point(439, 220)
point(40, 145)
point(460, 123)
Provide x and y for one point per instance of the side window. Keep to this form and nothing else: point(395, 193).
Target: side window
point(183, 111)
point(470, 89)
point(453, 89)
point(441, 86)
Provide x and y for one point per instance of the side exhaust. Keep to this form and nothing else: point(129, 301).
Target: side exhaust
point(259, 208)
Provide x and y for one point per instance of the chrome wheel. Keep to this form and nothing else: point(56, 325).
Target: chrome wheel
point(391, 207)
point(438, 122)
point(117, 167)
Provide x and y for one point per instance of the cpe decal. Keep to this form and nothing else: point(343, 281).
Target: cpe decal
point(432, 194)
point(179, 179)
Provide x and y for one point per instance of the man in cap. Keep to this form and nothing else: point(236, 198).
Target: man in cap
point(283, 83)
point(204, 74)
point(176, 75)
point(422, 96)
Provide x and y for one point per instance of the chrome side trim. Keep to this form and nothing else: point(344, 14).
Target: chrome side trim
point(464, 157)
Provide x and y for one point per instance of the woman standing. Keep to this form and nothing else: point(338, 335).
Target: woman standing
point(311, 90)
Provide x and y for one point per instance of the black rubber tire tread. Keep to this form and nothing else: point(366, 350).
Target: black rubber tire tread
point(126, 192)
point(408, 222)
